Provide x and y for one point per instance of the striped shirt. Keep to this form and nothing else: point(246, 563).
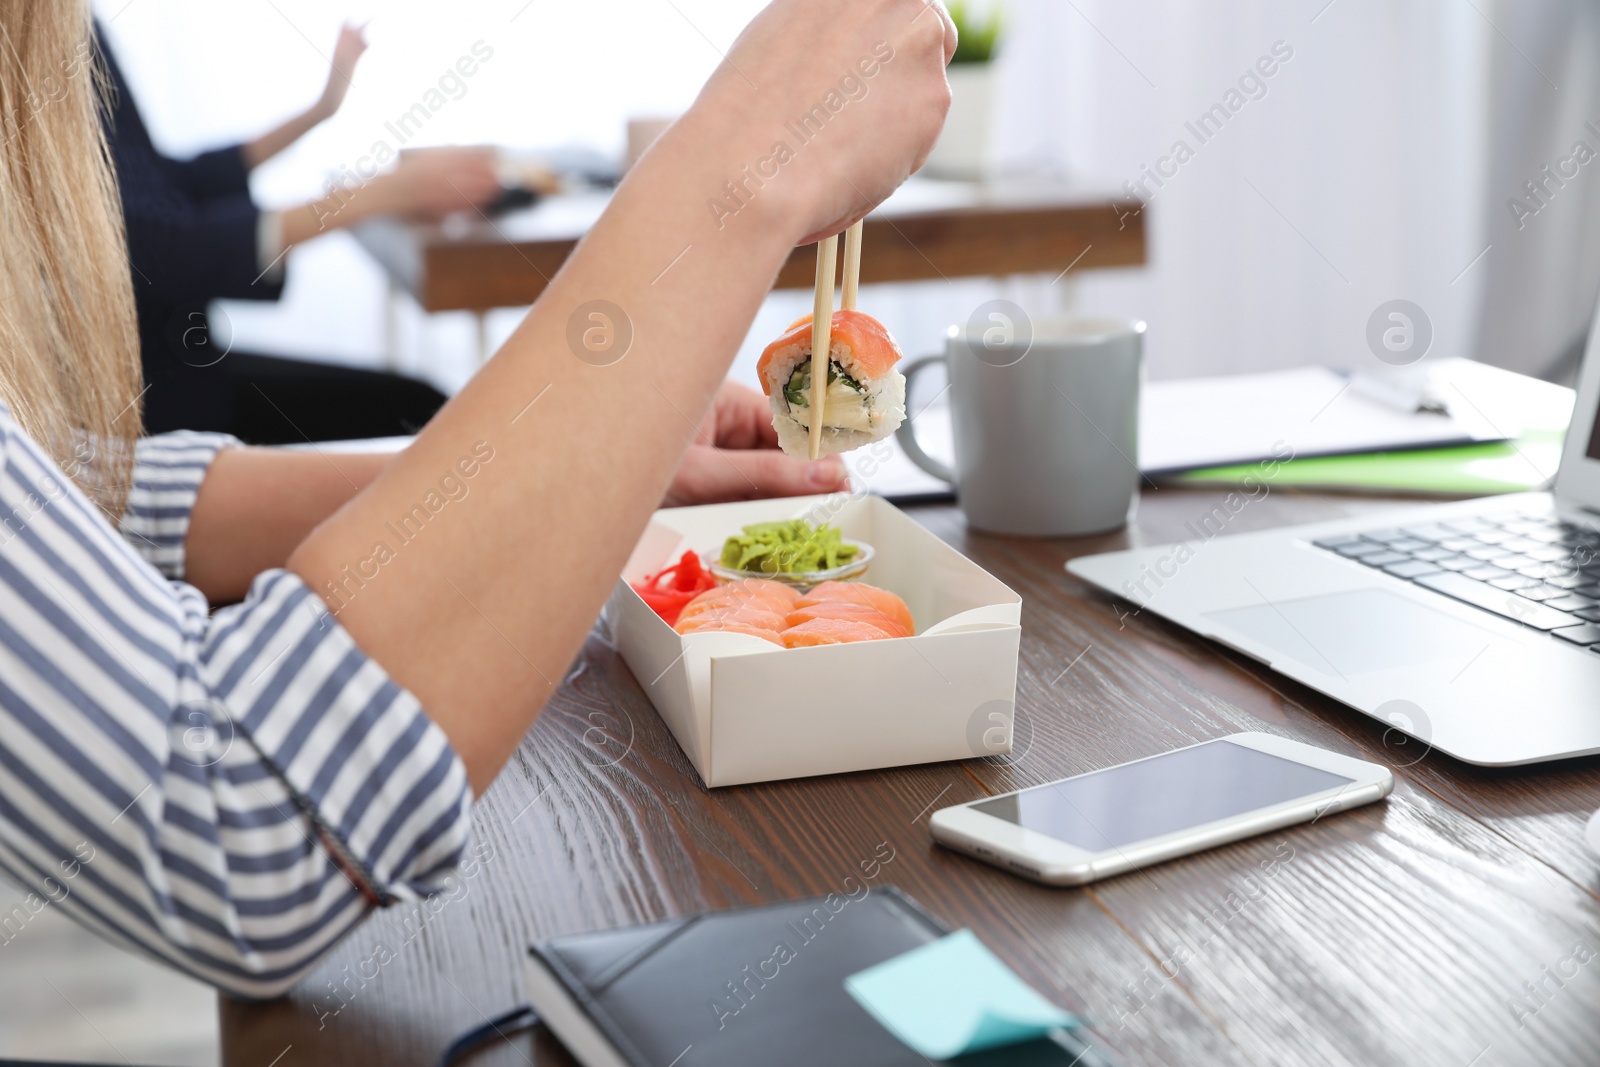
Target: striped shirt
point(231, 792)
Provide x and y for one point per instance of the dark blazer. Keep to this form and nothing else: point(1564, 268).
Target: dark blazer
point(192, 231)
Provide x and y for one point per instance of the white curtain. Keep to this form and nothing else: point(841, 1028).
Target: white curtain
point(1372, 165)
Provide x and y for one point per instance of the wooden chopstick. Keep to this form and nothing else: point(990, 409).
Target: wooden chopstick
point(821, 335)
point(852, 265)
point(822, 317)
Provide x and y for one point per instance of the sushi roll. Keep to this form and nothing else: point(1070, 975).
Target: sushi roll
point(866, 398)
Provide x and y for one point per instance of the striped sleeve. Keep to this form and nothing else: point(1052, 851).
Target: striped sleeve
point(229, 793)
point(167, 471)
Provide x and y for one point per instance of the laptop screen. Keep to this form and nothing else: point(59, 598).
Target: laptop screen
point(1579, 479)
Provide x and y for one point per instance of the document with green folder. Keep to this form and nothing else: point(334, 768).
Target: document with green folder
point(1516, 466)
point(1532, 415)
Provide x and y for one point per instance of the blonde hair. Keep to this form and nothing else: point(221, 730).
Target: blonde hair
point(69, 356)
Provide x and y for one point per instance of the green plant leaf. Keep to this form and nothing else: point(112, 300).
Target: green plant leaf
point(978, 38)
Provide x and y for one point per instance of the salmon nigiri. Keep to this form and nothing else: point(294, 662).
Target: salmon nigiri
point(830, 632)
point(861, 593)
point(734, 626)
point(847, 612)
point(747, 592)
point(866, 396)
point(713, 619)
point(762, 589)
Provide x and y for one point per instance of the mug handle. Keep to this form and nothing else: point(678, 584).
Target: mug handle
point(906, 434)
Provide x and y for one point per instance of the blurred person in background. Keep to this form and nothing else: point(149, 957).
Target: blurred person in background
point(195, 235)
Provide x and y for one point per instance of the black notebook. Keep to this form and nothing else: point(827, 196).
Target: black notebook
point(760, 985)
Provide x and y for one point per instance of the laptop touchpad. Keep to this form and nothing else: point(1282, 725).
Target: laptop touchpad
point(1356, 632)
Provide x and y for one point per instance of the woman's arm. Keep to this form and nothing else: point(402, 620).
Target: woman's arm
point(229, 792)
point(346, 51)
point(477, 603)
point(255, 507)
point(424, 187)
point(258, 151)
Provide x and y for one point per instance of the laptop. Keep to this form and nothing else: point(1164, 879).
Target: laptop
point(1473, 627)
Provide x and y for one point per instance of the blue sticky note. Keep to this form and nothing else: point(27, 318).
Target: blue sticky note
point(952, 997)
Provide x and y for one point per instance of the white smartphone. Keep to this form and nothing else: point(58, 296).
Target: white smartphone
point(1109, 821)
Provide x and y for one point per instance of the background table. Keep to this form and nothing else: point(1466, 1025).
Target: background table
point(1455, 924)
point(927, 230)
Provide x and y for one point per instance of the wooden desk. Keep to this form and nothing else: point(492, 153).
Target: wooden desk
point(927, 230)
point(1395, 934)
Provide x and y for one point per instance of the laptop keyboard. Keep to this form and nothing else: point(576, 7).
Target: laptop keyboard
point(1537, 569)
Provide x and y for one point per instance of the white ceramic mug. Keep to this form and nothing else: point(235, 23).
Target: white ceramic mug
point(1045, 417)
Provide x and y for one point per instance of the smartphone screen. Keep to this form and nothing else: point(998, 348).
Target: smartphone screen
point(1182, 789)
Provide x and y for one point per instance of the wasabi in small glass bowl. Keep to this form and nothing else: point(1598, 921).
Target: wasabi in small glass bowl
point(801, 580)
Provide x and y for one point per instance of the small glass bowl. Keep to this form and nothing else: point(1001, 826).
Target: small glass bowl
point(801, 579)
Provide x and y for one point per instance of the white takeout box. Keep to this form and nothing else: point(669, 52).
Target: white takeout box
point(745, 710)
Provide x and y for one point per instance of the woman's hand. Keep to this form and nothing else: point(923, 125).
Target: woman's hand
point(853, 90)
point(735, 456)
point(346, 51)
point(425, 186)
point(431, 183)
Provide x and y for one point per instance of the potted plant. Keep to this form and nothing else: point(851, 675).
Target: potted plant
point(962, 150)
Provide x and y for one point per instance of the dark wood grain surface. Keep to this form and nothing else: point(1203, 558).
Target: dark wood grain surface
point(1016, 228)
point(1455, 924)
